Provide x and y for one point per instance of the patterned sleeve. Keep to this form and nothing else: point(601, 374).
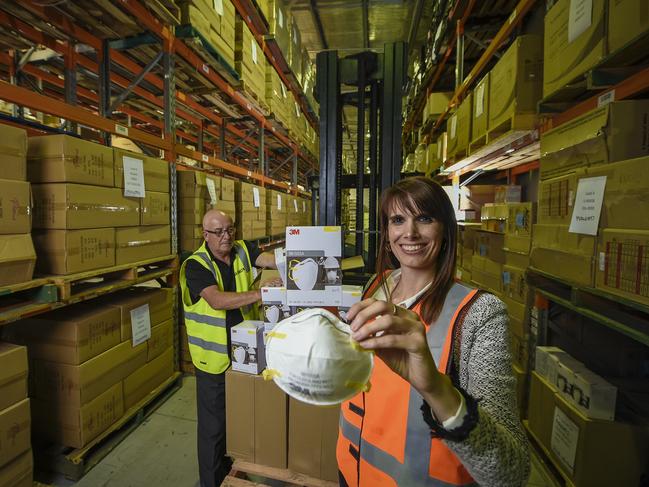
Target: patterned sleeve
point(496, 453)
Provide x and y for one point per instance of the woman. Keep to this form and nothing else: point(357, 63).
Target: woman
point(442, 407)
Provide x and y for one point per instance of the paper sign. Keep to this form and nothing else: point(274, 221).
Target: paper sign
point(479, 103)
point(283, 90)
point(588, 205)
point(303, 206)
point(253, 47)
point(121, 130)
point(133, 177)
point(606, 98)
point(602, 261)
point(255, 197)
point(218, 6)
point(212, 190)
point(297, 110)
point(295, 205)
point(453, 126)
point(565, 436)
point(280, 18)
point(279, 201)
point(140, 324)
point(506, 278)
point(580, 18)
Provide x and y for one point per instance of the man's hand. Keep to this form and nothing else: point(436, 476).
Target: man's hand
point(274, 282)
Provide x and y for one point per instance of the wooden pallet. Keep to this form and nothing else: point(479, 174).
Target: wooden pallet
point(76, 462)
point(22, 300)
point(165, 10)
point(242, 471)
point(254, 98)
point(86, 285)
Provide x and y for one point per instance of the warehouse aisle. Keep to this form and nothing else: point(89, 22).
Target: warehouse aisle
point(162, 451)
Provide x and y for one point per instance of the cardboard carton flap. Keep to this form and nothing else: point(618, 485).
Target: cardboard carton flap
point(16, 248)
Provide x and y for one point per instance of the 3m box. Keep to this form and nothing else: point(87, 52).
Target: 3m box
point(145, 379)
point(19, 472)
point(71, 335)
point(313, 256)
point(613, 132)
point(78, 206)
point(75, 427)
point(248, 350)
point(273, 301)
point(69, 251)
point(156, 171)
point(351, 296)
point(17, 259)
point(13, 152)
point(65, 159)
point(15, 431)
point(141, 243)
point(15, 202)
point(573, 43)
point(628, 21)
point(159, 301)
point(162, 337)
point(13, 374)
point(155, 209)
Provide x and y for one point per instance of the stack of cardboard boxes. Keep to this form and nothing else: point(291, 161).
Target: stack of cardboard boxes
point(91, 362)
point(295, 50)
point(250, 62)
point(277, 16)
point(16, 463)
point(277, 96)
point(251, 211)
point(18, 257)
point(277, 210)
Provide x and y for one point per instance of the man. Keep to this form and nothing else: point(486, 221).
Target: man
point(215, 283)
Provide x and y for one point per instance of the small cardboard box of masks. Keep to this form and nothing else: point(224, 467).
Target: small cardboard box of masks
point(274, 307)
point(313, 257)
point(247, 347)
point(351, 296)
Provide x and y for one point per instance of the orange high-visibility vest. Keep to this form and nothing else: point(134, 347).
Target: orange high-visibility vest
point(383, 439)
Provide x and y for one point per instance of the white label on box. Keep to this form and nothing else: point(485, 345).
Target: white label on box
point(565, 436)
point(571, 197)
point(479, 104)
point(303, 206)
point(283, 90)
point(121, 130)
point(253, 47)
point(140, 324)
point(588, 205)
point(606, 98)
point(295, 205)
point(580, 18)
point(218, 6)
point(205, 158)
point(280, 18)
point(133, 177)
point(212, 190)
point(255, 197)
point(297, 110)
point(453, 126)
point(279, 201)
point(206, 68)
point(602, 261)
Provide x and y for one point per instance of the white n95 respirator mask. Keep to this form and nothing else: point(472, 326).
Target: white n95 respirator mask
point(311, 357)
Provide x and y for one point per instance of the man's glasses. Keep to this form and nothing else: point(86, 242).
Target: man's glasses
point(219, 232)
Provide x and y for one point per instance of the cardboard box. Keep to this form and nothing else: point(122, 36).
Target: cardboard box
point(570, 51)
point(312, 437)
point(510, 193)
point(15, 202)
point(13, 153)
point(436, 103)
point(159, 301)
point(351, 296)
point(490, 246)
point(460, 129)
point(313, 256)
point(540, 408)
point(517, 259)
point(76, 206)
point(75, 427)
point(557, 198)
point(155, 209)
point(156, 171)
point(65, 159)
point(473, 197)
point(69, 251)
point(628, 20)
point(17, 259)
point(515, 86)
point(192, 210)
point(567, 369)
point(141, 243)
point(15, 431)
point(19, 472)
point(248, 350)
point(594, 396)
point(76, 385)
point(518, 232)
point(227, 189)
point(514, 284)
point(543, 363)
point(480, 109)
point(70, 335)
point(613, 132)
point(193, 184)
point(140, 383)
point(491, 282)
point(162, 337)
point(13, 374)
point(623, 267)
point(519, 349)
point(273, 301)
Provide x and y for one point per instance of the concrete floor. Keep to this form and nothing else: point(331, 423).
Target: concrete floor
point(161, 452)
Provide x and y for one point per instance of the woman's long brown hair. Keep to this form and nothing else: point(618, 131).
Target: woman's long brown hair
point(421, 196)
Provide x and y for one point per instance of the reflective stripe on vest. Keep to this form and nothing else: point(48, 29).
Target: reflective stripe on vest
point(418, 463)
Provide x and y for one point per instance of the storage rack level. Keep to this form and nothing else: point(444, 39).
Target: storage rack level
point(240, 471)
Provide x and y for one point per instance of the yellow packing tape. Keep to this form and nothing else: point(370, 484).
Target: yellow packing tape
point(269, 374)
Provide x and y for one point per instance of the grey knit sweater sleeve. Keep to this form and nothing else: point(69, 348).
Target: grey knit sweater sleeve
point(496, 452)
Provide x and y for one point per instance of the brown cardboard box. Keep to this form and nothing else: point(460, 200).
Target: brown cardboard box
point(490, 245)
point(70, 251)
point(515, 85)
point(193, 184)
point(192, 210)
point(566, 59)
point(517, 311)
point(473, 197)
point(491, 282)
point(191, 237)
point(518, 233)
point(76, 385)
point(156, 171)
point(227, 189)
point(155, 209)
point(13, 374)
point(541, 404)
point(240, 415)
point(627, 20)
point(517, 259)
point(13, 152)
point(480, 109)
point(312, 436)
point(65, 159)
point(71, 335)
point(460, 129)
point(17, 259)
point(228, 207)
point(78, 206)
point(162, 337)
point(159, 301)
point(557, 197)
point(15, 430)
point(141, 243)
point(613, 132)
point(19, 472)
point(15, 202)
point(436, 103)
point(623, 267)
point(77, 426)
point(514, 284)
point(140, 383)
